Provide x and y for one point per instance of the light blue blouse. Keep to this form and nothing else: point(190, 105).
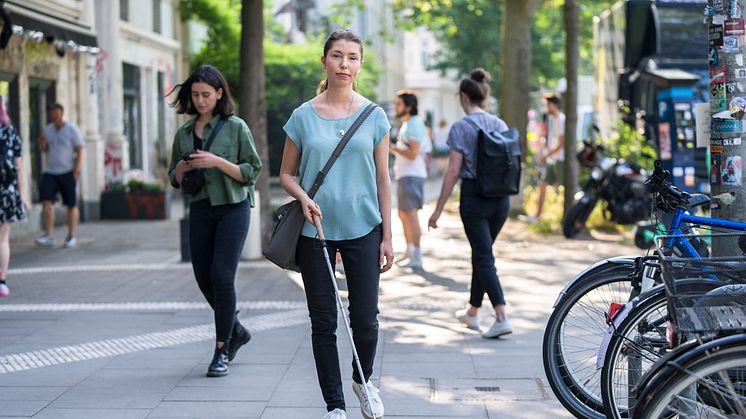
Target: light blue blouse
point(348, 197)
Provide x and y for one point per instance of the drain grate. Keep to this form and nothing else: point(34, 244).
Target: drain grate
point(477, 390)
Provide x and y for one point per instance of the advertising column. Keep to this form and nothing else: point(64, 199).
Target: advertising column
point(727, 107)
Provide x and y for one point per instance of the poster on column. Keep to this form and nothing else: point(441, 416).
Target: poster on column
point(702, 120)
point(716, 161)
point(732, 171)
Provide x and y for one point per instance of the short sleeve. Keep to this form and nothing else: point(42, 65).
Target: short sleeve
point(456, 138)
point(16, 142)
point(77, 137)
point(292, 131)
point(382, 126)
point(418, 133)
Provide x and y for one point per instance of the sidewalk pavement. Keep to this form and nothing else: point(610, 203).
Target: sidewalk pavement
point(116, 328)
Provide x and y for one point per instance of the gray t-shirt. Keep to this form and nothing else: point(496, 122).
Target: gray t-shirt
point(463, 138)
point(62, 145)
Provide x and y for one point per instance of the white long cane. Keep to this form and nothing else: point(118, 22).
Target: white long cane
point(340, 304)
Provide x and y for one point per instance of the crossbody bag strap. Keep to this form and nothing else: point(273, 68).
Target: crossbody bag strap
point(338, 151)
point(214, 134)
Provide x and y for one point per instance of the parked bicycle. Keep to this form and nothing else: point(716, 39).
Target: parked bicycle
point(577, 327)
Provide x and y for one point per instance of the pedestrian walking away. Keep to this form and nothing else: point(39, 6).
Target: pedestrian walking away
point(12, 203)
point(411, 173)
point(220, 209)
point(483, 217)
point(552, 154)
point(63, 145)
point(356, 218)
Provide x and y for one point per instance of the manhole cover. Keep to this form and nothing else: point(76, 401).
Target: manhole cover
point(487, 389)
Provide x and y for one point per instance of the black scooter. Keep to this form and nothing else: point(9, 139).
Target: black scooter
point(617, 182)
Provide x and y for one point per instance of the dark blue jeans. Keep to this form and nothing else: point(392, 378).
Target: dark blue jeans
point(360, 257)
point(483, 219)
point(216, 237)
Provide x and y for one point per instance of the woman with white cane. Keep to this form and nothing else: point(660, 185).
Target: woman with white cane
point(356, 198)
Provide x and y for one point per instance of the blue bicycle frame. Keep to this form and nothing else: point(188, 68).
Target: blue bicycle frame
point(683, 217)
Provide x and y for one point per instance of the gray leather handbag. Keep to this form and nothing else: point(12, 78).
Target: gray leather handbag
point(289, 219)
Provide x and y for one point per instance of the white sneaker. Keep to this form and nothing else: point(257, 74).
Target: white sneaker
point(336, 414)
point(45, 240)
point(498, 329)
point(371, 409)
point(414, 263)
point(71, 242)
point(472, 322)
point(528, 219)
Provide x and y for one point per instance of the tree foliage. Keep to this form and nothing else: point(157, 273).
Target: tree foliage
point(468, 30)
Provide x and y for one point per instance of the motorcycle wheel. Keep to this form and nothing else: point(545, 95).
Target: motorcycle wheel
point(574, 221)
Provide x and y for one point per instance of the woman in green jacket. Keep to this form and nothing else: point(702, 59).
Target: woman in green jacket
point(220, 209)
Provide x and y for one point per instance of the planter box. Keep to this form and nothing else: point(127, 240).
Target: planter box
point(118, 205)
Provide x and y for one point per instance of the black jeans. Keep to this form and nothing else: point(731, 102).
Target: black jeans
point(216, 237)
point(360, 257)
point(483, 219)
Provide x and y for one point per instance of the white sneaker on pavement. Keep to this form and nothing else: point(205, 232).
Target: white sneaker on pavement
point(528, 219)
point(472, 322)
point(372, 408)
point(71, 242)
point(498, 329)
point(45, 240)
point(414, 263)
point(336, 414)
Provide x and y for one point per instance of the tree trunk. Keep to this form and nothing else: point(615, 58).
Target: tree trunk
point(571, 99)
point(515, 85)
point(516, 64)
point(252, 107)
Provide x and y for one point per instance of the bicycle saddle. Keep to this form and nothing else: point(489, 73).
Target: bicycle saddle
point(698, 199)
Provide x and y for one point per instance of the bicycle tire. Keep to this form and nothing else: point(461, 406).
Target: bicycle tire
point(700, 373)
point(652, 303)
point(570, 390)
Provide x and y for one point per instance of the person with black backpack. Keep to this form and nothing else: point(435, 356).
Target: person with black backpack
point(485, 203)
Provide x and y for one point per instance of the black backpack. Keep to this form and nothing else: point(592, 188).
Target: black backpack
point(498, 162)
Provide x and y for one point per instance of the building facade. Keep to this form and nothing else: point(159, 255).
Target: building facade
point(110, 63)
point(51, 57)
point(140, 62)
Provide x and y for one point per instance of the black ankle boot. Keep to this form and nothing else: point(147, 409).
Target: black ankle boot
point(241, 337)
point(219, 365)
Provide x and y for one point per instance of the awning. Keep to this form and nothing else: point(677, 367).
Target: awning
point(52, 26)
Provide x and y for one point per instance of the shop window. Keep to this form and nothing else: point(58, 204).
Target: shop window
point(157, 16)
point(124, 10)
point(132, 117)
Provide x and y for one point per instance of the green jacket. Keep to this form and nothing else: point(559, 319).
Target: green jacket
point(235, 144)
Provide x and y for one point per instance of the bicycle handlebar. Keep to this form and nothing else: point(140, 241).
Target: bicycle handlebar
point(669, 196)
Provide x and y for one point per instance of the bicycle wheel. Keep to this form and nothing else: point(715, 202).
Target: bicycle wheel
point(638, 342)
point(711, 386)
point(572, 338)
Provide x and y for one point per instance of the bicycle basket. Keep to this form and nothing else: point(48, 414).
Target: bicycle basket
point(705, 295)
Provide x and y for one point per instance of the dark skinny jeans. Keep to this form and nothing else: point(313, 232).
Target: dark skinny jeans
point(216, 237)
point(483, 219)
point(360, 258)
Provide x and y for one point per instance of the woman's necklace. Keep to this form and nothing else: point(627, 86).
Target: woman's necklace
point(339, 130)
